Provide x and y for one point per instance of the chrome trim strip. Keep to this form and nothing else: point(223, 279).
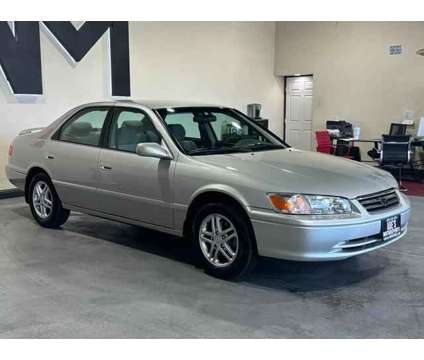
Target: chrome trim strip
point(346, 245)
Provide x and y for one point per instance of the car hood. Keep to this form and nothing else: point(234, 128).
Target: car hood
point(296, 171)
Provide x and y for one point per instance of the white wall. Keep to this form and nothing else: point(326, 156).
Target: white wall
point(216, 62)
point(355, 78)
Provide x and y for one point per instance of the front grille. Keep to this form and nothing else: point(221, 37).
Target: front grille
point(379, 201)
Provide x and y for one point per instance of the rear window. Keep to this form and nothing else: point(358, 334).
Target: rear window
point(85, 128)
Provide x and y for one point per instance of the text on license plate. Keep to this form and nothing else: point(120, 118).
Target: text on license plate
point(390, 227)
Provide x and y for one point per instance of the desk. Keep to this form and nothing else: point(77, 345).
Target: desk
point(415, 169)
point(353, 140)
point(417, 142)
point(355, 150)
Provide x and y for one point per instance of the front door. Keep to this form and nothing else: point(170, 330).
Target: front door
point(298, 122)
point(131, 186)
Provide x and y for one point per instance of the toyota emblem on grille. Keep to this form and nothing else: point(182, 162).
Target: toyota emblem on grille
point(383, 201)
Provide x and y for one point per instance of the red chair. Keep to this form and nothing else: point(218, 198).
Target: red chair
point(324, 144)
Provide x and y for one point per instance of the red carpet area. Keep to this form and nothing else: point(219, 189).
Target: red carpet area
point(414, 188)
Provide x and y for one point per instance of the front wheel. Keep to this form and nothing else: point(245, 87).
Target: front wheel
point(224, 241)
point(45, 204)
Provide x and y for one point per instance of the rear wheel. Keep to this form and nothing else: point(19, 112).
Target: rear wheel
point(44, 202)
point(224, 241)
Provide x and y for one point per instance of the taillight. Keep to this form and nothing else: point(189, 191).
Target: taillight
point(10, 150)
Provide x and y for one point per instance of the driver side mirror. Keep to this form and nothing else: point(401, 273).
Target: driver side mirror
point(153, 150)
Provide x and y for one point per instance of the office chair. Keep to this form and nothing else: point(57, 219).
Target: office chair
point(324, 144)
point(344, 149)
point(396, 154)
point(397, 129)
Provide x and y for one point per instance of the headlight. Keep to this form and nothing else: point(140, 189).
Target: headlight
point(310, 204)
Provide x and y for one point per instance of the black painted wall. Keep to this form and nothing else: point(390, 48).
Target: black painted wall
point(20, 56)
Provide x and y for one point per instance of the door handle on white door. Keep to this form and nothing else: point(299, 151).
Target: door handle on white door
point(105, 167)
point(50, 157)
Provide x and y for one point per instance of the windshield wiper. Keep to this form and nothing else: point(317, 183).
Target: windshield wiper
point(221, 150)
point(234, 149)
point(263, 146)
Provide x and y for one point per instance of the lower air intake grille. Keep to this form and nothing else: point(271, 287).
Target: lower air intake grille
point(379, 201)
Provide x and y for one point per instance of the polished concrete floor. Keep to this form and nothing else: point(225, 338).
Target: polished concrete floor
point(99, 279)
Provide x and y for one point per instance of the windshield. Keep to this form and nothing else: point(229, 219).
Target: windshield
point(203, 131)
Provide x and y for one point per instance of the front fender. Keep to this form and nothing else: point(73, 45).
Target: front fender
point(222, 188)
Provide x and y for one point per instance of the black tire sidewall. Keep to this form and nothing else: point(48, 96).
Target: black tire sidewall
point(246, 255)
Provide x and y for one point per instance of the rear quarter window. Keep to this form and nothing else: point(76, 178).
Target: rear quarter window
point(85, 127)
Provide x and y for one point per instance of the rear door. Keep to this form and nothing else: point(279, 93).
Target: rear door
point(73, 154)
point(131, 186)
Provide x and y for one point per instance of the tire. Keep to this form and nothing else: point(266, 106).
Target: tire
point(214, 250)
point(48, 211)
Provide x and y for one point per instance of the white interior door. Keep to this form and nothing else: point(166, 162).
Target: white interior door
point(298, 124)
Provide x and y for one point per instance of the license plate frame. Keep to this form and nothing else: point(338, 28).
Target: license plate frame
point(390, 227)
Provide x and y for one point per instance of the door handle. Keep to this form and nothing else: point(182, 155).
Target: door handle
point(51, 157)
point(105, 167)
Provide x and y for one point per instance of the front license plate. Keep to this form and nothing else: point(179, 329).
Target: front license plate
point(390, 227)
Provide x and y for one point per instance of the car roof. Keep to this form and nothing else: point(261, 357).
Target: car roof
point(160, 104)
point(155, 104)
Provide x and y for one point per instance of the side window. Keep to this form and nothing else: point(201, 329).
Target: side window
point(129, 128)
point(85, 128)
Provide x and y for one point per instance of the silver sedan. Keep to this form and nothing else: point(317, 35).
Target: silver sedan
point(208, 173)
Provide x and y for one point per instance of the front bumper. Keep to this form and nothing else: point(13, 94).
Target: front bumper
point(321, 239)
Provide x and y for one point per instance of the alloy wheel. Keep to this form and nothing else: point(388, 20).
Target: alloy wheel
point(42, 199)
point(218, 240)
